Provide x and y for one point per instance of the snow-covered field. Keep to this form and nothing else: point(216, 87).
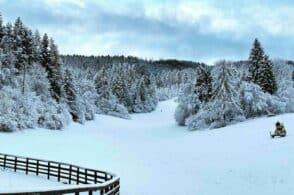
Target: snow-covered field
point(11, 181)
point(154, 156)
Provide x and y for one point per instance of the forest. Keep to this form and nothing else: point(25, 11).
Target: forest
point(41, 88)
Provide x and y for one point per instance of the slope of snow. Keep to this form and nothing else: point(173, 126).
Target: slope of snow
point(154, 156)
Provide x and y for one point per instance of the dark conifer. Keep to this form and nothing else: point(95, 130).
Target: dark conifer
point(70, 95)
point(266, 79)
point(203, 87)
point(1, 28)
point(255, 59)
point(260, 69)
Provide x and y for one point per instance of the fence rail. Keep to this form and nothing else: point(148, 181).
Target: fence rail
point(84, 179)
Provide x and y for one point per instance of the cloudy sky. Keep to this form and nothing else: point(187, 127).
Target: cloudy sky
point(200, 30)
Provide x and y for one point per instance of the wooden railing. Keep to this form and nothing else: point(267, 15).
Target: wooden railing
point(81, 179)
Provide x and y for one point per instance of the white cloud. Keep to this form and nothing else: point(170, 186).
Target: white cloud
point(209, 18)
point(57, 3)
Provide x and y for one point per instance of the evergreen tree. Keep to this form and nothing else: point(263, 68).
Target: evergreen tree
point(7, 43)
point(145, 96)
point(189, 104)
point(119, 88)
point(260, 69)
point(203, 86)
point(51, 62)
point(71, 97)
point(224, 106)
point(27, 54)
point(225, 96)
point(28, 46)
point(266, 79)
point(102, 83)
point(45, 55)
point(54, 72)
point(1, 29)
point(18, 46)
point(108, 103)
point(255, 59)
point(37, 46)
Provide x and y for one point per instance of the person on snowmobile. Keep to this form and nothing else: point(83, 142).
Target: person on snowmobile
point(280, 130)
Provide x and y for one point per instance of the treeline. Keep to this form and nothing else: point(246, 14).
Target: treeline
point(97, 62)
point(234, 91)
point(169, 76)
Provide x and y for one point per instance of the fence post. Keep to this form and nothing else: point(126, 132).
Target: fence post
point(58, 174)
point(78, 175)
point(86, 176)
point(15, 163)
point(70, 170)
point(105, 177)
point(4, 161)
point(95, 179)
point(37, 168)
point(27, 165)
point(48, 171)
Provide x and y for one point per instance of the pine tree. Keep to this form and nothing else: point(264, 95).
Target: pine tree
point(18, 46)
point(71, 97)
point(45, 55)
point(266, 79)
point(255, 59)
point(7, 43)
point(27, 54)
point(1, 29)
point(203, 86)
point(260, 69)
point(102, 83)
point(145, 99)
point(37, 46)
point(224, 106)
point(225, 96)
point(51, 62)
point(28, 46)
point(55, 74)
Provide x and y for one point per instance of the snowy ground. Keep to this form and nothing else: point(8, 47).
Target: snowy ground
point(19, 181)
point(153, 156)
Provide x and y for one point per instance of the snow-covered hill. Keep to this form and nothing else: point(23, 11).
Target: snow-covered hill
point(154, 156)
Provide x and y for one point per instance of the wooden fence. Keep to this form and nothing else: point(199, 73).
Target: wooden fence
point(81, 179)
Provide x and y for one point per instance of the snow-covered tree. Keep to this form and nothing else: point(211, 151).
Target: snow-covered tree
point(266, 78)
point(1, 29)
point(203, 86)
point(54, 71)
point(260, 69)
point(224, 107)
point(37, 46)
point(145, 95)
point(72, 99)
point(8, 57)
point(189, 104)
point(256, 57)
point(107, 103)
